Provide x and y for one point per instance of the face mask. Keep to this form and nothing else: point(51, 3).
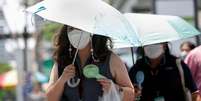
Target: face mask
point(79, 39)
point(153, 51)
point(183, 54)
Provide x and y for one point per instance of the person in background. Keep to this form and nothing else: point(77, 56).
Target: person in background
point(37, 94)
point(185, 48)
point(193, 60)
point(157, 77)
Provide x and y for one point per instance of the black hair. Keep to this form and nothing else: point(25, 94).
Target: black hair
point(189, 44)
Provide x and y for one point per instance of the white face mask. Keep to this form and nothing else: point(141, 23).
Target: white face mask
point(153, 51)
point(79, 39)
point(183, 54)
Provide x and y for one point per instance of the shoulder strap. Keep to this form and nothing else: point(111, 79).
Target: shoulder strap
point(181, 72)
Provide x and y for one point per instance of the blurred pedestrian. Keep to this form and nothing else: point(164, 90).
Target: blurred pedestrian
point(193, 60)
point(91, 50)
point(36, 94)
point(185, 48)
point(157, 76)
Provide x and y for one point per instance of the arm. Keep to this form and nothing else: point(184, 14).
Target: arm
point(196, 96)
point(56, 85)
point(189, 82)
point(120, 74)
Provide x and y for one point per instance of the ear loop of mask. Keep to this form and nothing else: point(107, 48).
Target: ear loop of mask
point(72, 82)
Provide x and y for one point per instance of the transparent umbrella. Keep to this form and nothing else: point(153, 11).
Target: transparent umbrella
point(152, 29)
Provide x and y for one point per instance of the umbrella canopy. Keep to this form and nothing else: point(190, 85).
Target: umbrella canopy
point(154, 29)
point(94, 16)
point(9, 79)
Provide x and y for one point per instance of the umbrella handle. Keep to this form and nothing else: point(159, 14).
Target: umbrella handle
point(73, 83)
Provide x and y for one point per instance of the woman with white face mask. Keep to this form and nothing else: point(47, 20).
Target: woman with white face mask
point(157, 78)
point(91, 50)
point(185, 48)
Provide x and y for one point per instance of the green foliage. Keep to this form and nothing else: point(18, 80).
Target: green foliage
point(2, 93)
point(10, 93)
point(4, 68)
point(49, 29)
point(189, 19)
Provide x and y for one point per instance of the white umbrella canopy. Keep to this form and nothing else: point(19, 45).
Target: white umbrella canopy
point(154, 29)
point(94, 16)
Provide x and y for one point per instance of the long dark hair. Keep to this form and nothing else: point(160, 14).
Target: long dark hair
point(61, 43)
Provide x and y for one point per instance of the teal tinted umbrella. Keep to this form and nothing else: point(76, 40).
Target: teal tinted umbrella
point(94, 16)
point(154, 29)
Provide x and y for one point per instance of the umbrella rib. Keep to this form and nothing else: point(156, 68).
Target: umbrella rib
point(77, 48)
